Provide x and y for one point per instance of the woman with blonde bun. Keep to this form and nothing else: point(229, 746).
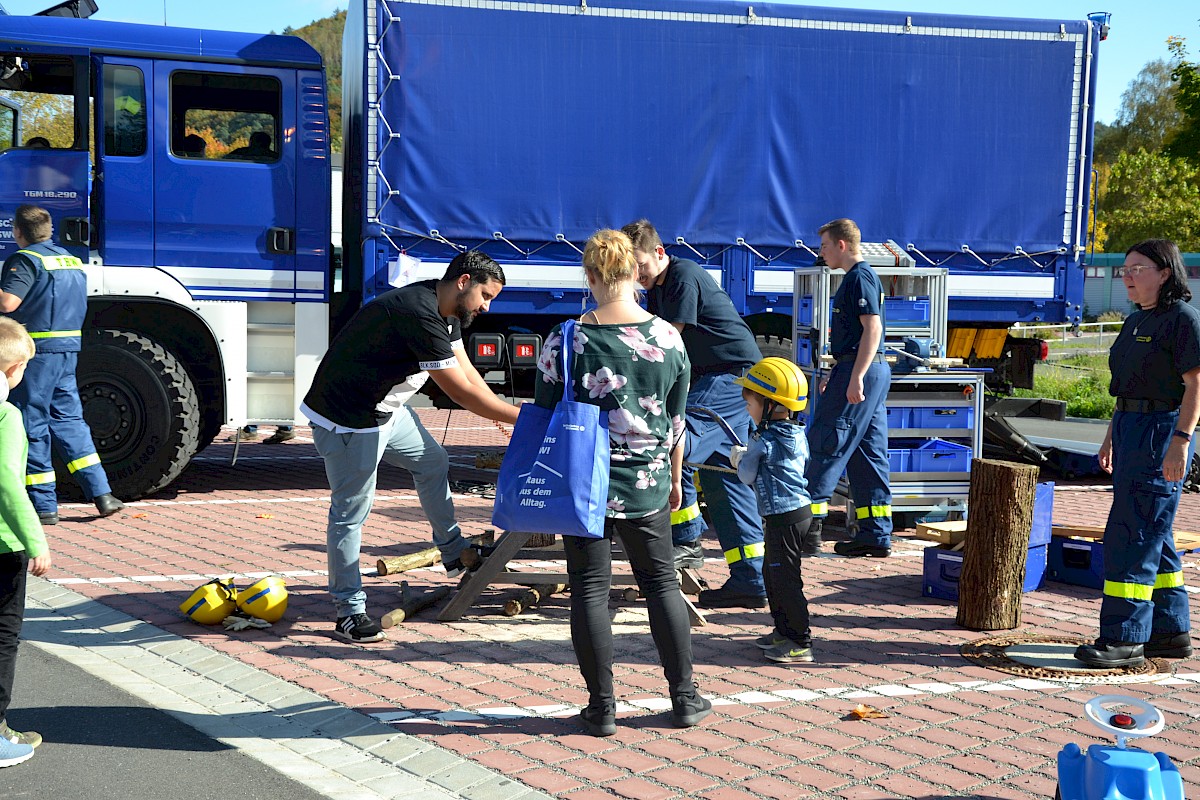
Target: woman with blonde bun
point(632, 365)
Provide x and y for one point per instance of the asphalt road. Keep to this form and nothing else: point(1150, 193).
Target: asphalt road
point(101, 743)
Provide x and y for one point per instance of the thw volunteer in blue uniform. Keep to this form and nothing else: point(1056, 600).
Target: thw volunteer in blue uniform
point(43, 287)
point(1155, 364)
point(721, 348)
point(849, 425)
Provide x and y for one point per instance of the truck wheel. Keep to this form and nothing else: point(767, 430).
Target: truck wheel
point(774, 346)
point(142, 409)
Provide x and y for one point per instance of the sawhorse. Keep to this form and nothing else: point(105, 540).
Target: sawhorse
point(494, 570)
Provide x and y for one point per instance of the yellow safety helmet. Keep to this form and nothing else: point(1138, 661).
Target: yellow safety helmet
point(777, 379)
point(266, 598)
point(211, 603)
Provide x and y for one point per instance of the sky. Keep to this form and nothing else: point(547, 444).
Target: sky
point(1139, 28)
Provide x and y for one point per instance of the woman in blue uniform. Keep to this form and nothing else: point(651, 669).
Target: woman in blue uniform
point(1155, 364)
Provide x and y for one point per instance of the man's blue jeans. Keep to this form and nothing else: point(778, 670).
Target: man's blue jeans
point(351, 463)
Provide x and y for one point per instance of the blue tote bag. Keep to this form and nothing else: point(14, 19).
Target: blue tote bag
point(554, 477)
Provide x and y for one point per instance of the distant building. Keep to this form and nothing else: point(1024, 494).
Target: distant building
point(1103, 291)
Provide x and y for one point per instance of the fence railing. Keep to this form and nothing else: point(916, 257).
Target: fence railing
point(1087, 336)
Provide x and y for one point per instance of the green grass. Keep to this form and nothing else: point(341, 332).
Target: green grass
point(1082, 381)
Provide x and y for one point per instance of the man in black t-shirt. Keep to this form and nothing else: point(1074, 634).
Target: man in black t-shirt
point(721, 348)
point(386, 352)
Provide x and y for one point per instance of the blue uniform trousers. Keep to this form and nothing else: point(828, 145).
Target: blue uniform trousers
point(731, 504)
point(49, 401)
point(852, 438)
point(1143, 575)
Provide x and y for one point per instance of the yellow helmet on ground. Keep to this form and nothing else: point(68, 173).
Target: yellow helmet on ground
point(211, 603)
point(777, 379)
point(266, 598)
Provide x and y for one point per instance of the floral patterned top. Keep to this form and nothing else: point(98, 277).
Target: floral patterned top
point(639, 374)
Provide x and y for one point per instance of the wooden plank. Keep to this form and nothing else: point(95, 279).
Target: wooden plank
point(1184, 540)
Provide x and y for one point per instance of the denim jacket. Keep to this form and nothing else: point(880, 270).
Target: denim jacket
point(774, 465)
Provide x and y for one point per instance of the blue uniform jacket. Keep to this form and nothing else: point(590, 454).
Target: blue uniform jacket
point(774, 465)
point(53, 291)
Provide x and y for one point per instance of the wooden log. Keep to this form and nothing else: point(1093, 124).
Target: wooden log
point(393, 565)
point(409, 606)
point(997, 544)
point(531, 597)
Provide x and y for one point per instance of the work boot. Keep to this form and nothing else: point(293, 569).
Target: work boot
point(599, 718)
point(810, 544)
point(689, 555)
point(280, 436)
point(688, 709)
point(49, 518)
point(1168, 645)
point(860, 549)
point(1110, 655)
point(726, 597)
point(107, 505)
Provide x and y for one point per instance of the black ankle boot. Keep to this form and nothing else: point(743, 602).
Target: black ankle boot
point(1110, 655)
point(1168, 645)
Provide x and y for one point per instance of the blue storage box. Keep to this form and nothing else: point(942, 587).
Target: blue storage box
point(903, 310)
point(803, 353)
point(899, 417)
point(1076, 561)
point(898, 460)
point(944, 417)
point(943, 567)
point(804, 315)
point(1043, 512)
point(939, 455)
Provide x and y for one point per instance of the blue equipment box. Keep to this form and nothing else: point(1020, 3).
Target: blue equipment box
point(939, 455)
point(902, 310)
point(898, 460)
point(944, 417)
point(1043, 513)
point(1077, 561)
point(899, 417)
point(803, 353)
point(943, 567)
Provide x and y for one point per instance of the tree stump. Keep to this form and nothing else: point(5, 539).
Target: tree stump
point(999, 518)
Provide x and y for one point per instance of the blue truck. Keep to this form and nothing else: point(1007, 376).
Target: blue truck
point(191, 170)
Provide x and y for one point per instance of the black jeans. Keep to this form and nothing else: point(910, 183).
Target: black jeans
point(647, 543)
point(781, 574)
point(12, 613)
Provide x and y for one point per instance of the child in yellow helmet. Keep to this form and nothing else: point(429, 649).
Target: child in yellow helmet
point(775, 390)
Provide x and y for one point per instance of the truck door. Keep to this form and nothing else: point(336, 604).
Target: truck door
point(44, 142)
point(224, 174)
point(122, 196)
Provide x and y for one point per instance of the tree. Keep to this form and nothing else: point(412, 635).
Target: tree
point(1149, 116)
point(1186, 74)
point(1150, 195)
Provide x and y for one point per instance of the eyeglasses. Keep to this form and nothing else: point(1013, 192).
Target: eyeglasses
point(1133, 271)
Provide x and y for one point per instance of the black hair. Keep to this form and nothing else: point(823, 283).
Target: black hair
point(1166, 256)
point(479, 266)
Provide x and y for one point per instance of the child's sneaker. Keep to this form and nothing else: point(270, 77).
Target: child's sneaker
point(359, 628)
point(31, 738)
point(12, 753)
point(789, 653)
point(769, 641)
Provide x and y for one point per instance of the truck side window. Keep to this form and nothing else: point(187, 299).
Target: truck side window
point(222, 116)
point(124, 111)
point(39, 91)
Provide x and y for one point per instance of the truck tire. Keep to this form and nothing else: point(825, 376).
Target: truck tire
point(774, 346)
point(142, 409)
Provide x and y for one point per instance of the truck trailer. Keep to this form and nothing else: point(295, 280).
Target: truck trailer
point(519, 129)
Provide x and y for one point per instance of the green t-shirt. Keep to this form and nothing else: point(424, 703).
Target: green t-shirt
point(639, 375)
point(20, 528)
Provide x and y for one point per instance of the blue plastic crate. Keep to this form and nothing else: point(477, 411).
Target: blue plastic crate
point(902, 310)
point(943, 568)
point(803, 353)
point(939, 455)
point(945, 417)
point(1076, 561)
point(899, 417)
point(1043, 512)
point(898, 459)
point(804, 311)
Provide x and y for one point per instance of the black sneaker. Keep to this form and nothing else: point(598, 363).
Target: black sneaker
point(50, 518)
point(1168, 645)
point(1110, 655)
point(107, 505)
point(730, 598)
point(860, 549)
point(359, 628)
point(689, 555)
point(688, 710)
point(458, 566)
point(789, 652)
point(769, 640)
point(599, 720)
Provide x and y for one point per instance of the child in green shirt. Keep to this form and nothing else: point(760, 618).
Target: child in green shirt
point(22, 544)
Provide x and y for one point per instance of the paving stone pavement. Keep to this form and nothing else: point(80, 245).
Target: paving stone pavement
point(483, 707)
